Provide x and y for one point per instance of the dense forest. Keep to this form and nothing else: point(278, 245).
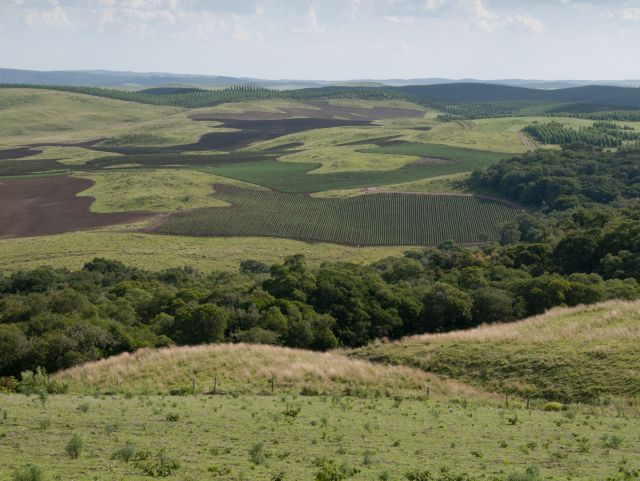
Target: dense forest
point(578, 175)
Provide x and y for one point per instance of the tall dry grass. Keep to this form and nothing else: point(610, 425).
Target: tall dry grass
point(612, 320)
point(248, 368)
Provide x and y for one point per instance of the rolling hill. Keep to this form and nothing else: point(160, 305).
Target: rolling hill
point(248, 368)
point(570, 354)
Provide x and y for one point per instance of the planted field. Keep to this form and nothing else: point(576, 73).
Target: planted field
point(378, 219)
point(299, 176)
point(478, 158)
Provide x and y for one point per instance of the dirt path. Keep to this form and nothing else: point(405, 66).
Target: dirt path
point(49, 205)
point(526, 141)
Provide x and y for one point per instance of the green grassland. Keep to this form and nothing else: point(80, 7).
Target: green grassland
point(275, 413)
point(448, 184)
point(156, 252)
point(71, 156)
point(163, 190)
point(261, 438)
point(581, 354)
point(31, 116)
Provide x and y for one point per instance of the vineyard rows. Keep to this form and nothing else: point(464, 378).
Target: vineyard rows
point(375, 219)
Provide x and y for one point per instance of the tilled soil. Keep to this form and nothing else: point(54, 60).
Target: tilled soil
point(49, 205)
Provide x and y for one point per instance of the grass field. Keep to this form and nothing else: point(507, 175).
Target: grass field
point(301, 177)
point(157, 252)
point(262, 438)
point(377, 219)
point(31, 116)
point(248, 369)
point(581, 354)
point(153, 190)
point(274, 413)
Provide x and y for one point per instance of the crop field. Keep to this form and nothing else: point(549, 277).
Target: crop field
point(376, 219)
point(470, 158)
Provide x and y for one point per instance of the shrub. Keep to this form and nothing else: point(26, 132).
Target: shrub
point(257, 454)
point(553, 406)
point(8, 384)
point(611, 441)
point(83, 407)
point(330, 471)
point(30, 472)
point(125, 453)
point(158, 466)
point(173, 417)
point(532, 473)
point(74, 447)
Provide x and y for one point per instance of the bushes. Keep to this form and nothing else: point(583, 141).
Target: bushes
point(74, 447)
point(159, 465)
point(28, 473)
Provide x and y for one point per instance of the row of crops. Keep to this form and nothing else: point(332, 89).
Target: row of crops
point(377, 219)
point(600, 134)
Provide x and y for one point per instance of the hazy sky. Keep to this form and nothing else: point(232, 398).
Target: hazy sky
point(328, 39)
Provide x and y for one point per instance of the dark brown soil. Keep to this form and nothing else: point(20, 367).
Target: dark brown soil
point(18, 153)
point(48, 205)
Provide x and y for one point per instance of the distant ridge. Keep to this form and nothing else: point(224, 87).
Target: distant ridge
point(139, 80)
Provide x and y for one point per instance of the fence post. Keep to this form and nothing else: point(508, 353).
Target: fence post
point(272, 384)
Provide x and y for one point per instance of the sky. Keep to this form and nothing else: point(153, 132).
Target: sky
point(328, 39)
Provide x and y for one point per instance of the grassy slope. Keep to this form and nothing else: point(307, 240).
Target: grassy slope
point(573, 354)
point(31, 116)
point(154, 190)
point(246, 368)
point(157, 252)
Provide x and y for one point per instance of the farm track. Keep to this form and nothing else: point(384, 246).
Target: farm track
point(526, 141)
point(49, 205)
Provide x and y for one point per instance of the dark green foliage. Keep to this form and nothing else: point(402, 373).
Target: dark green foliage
point(601, 134)
point(329, 470)
point(126, 453)
point(565, 179)
point(30, 472)
point(159, 465)
point(74, 447)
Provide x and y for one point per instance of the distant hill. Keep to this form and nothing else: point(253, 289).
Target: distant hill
point(137, 80)
point(624, 97)
point(571, 354)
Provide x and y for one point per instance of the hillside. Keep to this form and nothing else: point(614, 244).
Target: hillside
point(566, 354)
point(248, 368)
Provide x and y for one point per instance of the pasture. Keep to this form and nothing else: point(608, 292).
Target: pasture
point(579, 354)
point(273, 413)
point(375, 219)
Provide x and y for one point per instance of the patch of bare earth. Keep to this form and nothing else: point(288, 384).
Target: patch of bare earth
point(49, 205)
